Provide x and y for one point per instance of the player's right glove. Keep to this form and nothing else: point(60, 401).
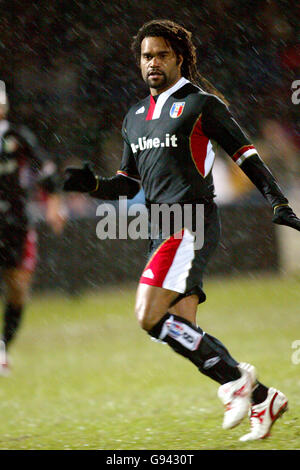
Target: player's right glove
point(284, 215)
point(82, 180)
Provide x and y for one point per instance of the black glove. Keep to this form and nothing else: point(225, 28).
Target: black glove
point(284, 215)
point(82, 179)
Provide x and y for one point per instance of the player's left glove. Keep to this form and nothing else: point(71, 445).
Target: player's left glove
point(284, 215)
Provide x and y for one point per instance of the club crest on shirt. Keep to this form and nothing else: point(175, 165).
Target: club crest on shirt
point(177, 109)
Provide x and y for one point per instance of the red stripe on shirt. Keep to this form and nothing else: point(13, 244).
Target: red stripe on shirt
point(120, 172)
point(198, 146)
point(241, 151)
point(151, 109)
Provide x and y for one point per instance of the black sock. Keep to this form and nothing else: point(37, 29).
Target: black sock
point(11, 322)
point(259, 394)
point(219, 365)
point(206, 352)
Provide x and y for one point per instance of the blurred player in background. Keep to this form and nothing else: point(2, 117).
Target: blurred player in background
point(22, 176)
point(169, 140)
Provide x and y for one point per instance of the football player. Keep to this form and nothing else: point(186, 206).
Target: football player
point(169, 148)
point(22, 175)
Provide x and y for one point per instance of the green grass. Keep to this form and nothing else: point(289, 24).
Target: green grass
point(86, 377)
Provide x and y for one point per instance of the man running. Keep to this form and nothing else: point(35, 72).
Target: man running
point(169, 147)
point(22, 174)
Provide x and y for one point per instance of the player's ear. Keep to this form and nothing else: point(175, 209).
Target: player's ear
point(179, 60)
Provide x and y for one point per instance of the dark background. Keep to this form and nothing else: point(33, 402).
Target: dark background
point(79, 261)
point(70, 77)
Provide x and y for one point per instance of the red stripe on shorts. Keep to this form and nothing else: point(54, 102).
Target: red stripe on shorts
point(157, 268)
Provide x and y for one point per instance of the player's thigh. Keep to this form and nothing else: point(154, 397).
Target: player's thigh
point(152, 303)
point(17, 282)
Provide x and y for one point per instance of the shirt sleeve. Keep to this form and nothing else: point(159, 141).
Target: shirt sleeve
point(44, 167)
point(128, 165)
point(14, 143)
point(219, 125)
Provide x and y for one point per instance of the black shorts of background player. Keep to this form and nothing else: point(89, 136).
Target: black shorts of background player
point(169, 142)
point(22, 175)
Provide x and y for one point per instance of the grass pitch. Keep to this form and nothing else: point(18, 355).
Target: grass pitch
point(86, 377)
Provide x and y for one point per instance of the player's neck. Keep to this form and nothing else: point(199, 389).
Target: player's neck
point(157, 91)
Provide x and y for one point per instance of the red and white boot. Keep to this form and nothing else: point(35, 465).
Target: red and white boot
point(264, 415)
point(236, 396)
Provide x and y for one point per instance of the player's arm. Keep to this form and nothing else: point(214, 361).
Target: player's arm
point(14, 144)
point(124, 183)
point(85, 180)
point(44, 170)
point(218, 124)
point(48, 182)
point(45, 179)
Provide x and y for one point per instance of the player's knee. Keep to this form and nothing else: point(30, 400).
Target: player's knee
point(142, 315)
point(147, 317)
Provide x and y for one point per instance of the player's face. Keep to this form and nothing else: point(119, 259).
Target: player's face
point(160, 66)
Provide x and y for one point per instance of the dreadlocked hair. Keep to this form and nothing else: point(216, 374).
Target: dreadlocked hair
point(180, 39)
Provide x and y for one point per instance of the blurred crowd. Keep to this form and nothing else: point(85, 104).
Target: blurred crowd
point(71, 76)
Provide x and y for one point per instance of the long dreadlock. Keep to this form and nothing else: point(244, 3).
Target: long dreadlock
point(180, 39)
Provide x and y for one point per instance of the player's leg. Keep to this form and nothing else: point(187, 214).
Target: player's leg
point(176, 326)
point(174, 270)
point(178, 329)
point(17, 279)
point(166, 308)
point(267, 404)
point(152, 302)
point(171, 278)
point(218, 364)
point(17, 283)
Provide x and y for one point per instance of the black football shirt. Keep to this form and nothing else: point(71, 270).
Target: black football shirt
point(22, 173)
point(170, 143)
